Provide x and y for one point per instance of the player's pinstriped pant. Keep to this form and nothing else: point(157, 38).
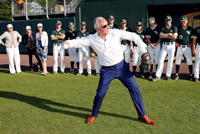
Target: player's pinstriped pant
point(154, 53)
point(136, 56)
point(197, 62)
point(96, 64)
point(187, 52)
point(56, 51)
point(120, 71)
point(73, 55)
point(166, 50)
point(84, 51)
point(127, 52)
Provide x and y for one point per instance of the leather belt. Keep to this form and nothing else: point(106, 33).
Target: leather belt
point(168, 43)
point(183, 46)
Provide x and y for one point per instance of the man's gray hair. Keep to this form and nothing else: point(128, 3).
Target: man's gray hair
point(96, 22)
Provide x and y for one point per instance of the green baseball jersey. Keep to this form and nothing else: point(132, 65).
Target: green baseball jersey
point(196, 34)
point(60, 32)
point(153, 34)
point(114, 26)
point(82, 34)
point(184, 35)
point(164, 30)
point(124, 42)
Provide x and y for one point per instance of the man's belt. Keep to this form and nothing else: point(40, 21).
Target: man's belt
point(168, 43)
point(183, 45)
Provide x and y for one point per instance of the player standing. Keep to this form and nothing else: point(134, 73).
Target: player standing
point(84, 50)
point(58, 36)
point(168, 36)
point(73, 52)
point(137, 53)
point(183, 43)
point(153, 40)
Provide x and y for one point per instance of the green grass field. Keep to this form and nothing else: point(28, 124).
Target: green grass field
point(60, 104)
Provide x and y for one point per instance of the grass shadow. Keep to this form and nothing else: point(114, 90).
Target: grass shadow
point(44, 104)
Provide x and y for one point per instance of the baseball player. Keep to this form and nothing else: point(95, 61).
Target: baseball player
point(136, 50)
point(73, 52)
point(183, 43)
point(84, 51)
point(196, 52)
point(125, 43)
point(58, 36)
point(111, 23)
point(153, 41)
point(168, 36)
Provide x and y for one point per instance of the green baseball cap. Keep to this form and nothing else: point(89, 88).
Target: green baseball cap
point(58, 22)
point(111, 17)
point(83, 23)
point(71, 24)
point(151, 18)
point(168, 17)
point(183, 18)
point(139, 23)
point(123, 21)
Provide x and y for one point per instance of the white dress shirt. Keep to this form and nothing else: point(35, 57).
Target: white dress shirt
point(109, 51)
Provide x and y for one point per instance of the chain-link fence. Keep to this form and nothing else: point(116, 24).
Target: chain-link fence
point(43, 7)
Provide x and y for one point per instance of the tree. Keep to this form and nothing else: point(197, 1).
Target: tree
point(5, 10)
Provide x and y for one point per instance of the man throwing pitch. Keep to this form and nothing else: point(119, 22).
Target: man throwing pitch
point(107, 44)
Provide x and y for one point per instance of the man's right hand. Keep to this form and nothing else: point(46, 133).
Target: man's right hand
point(65, 44)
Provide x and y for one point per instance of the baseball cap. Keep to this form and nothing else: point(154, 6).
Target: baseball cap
point(139, 23)
point(83, 23)
point(111, 17)
point(28, 27)
point(39, 25)
point(183, 18)
point(151, 18)
point(168, 17)
point(71, 24)
point(123, 21)
point(9, 25)
point(58, 22)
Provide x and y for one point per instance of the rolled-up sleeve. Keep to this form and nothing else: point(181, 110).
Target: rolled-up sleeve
point(85, 41)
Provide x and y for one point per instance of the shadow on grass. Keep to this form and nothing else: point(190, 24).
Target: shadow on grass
point(44, 104)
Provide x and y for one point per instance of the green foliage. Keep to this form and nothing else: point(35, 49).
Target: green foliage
point(5, 10)
point(60, 104)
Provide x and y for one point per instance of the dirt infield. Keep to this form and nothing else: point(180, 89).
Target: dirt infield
point(25, 65)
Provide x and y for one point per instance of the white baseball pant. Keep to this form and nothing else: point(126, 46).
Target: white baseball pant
point(166, 50)
point(73, 55)
point(126, 52)
point(187, 52)
point(84, 51)
point(197, 62)
point(56, 51)
point(154, 53)
point(136, 56)
point(96, 64)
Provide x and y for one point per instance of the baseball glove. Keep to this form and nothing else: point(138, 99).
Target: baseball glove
point(145, 63)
